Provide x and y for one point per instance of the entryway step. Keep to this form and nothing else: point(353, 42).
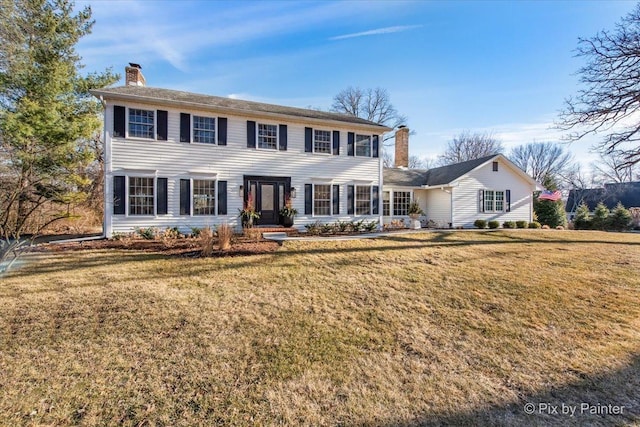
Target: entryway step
point(274, 235)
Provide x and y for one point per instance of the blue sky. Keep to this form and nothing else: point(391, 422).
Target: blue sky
point(500, 67)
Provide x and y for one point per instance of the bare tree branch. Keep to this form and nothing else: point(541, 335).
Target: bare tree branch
point(468, 146)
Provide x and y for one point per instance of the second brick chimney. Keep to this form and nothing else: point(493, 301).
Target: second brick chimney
point(402, 147)
point(133, 75)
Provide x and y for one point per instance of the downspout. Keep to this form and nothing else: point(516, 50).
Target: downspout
point(381, 184)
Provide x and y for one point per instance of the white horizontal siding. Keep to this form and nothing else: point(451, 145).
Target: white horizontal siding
point(465, 195)
point(175, 160)
point(438, 206)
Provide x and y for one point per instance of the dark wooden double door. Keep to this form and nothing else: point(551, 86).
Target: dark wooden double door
point(268, 194)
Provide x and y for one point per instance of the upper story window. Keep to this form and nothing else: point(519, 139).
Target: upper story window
point(204, 197)
point(322, 141)
point(141, 123)
point(268, 136)
point(363, 145)
point(495, 166)
point(141, 195)
point(204, 129)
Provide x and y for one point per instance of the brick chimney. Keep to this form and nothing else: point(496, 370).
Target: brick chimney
point(402, 147)
point(133, 75)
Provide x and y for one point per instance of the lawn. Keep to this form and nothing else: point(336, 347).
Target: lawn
point(418, 329)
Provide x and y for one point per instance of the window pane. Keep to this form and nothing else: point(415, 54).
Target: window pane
point(204, 129)
point(266, 199)
point(499, 201)
point(322, 141)
point(488, 200)
point(401, 200)
point(141, 123)
point(204, 197)
point(363, 200)
point(141, 196)
point(363, 145)
point(322, 199)
point(385, 203)
point(267, 136)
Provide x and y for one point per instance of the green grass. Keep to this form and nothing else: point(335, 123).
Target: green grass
point(436, 328)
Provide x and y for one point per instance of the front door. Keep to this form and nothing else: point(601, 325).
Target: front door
point(267, 203)
point(268, 194)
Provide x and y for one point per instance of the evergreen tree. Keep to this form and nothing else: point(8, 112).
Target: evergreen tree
point(620, 218)
point(600, 217)
point(550, 213)
point(47, 116)
point(582, 220)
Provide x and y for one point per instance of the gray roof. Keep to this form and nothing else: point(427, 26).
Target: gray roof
point(627, 193)
point(150, 94)
point(436, 176)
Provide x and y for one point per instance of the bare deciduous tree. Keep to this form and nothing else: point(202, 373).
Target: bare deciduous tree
point(469, 146)
point(609, 102)
point(370, 104)
point(543, 159)
point(614, 167)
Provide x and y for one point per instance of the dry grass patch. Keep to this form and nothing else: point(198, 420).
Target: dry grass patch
point(435, 328)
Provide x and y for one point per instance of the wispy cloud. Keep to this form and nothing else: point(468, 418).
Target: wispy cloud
point(385, 30)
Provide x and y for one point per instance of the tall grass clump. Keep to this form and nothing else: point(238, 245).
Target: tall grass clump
point(225, 233)
point(206, 241)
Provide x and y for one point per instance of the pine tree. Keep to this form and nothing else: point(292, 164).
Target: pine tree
point(47, 116)
point(600, 217)
point(550, 213)
point(620, 218)
point(582, 220)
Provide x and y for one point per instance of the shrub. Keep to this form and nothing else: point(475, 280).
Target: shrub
point(169, 236)
point(550, 213)
point(620, 218)
point(357, 225)
point(635, 218)
point(494, 224)
point(559, 227)
point(206, 241)
point(252, 233)
point(600, 217)
point(314, 229)
point(509, 224)
point(195, 231)
point(342, 226)
point(582, 220)
point(327, 229)
point(480, 223)
point(534, 224)
point(225, 233)
point(147, 233)
point(522, 224)
point(371, 226)
point(545, 227)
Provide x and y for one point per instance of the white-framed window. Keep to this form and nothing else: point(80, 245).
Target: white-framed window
point(204, 129)
point(363, 145)
point(401, 201)
point(267, 136)
point(141, 195)
point(386, 203)
point(363, 200)
point(493, 201)
point(204, 196)
point(321, 199)
point(141, 123)
point(322, 141)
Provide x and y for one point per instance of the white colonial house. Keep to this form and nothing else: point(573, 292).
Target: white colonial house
point(177, 159)
point(489, 188)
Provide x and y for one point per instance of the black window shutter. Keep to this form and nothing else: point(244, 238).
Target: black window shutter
point(282, 138)
point(118, 195)
point(185, 127)
point(185, 197)
point(251, 134)
point(350, 209)
point(308, 199)
point(308, 140)
point(336, 200)
point(222, 197)
point(507, 195)
point(480, 200)
point(376, 200)
point(351, 143)
point(222, 131)
point(119, 119)
point(162, 125)
point(336, 142)
point(161, 202)
point(376, 146)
